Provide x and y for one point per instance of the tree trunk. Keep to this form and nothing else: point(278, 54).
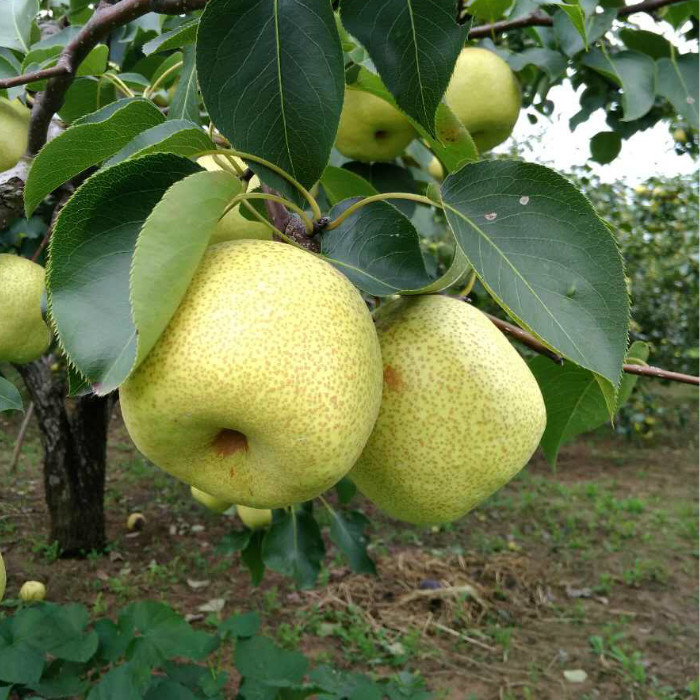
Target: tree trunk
point(74, 441)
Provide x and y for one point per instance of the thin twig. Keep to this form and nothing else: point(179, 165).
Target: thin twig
point(58, 69)
point(649, 371)
point(20, 437)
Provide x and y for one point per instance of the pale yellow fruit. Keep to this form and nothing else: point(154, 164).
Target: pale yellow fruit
point(371, 129)
point(32, 591)
point(484, 95)
point(254, 518)
point(234, 226)
point(266, 384)
point(3, 577)
point(23, 334)
point(14, 127)
point(461, 412)
point(436, 170)
point(680, 135)
point(135, 521)
point(214, 504)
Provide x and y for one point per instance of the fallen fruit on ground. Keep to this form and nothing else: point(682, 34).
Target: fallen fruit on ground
point(266, 384)
point(461, 412)
point(254, 518)
point(214, 504)
point(32, 591)
point(135, 521)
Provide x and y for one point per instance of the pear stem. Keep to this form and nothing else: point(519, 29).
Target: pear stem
point(272, 198)
point(379, 198)
point(153, 87)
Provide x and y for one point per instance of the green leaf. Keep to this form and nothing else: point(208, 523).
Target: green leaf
point(347, 532)
point(574, 13)
point(176, 136)
point(293, 546)
point(346, 490)
point(553, 63)
point(10, 399)
point(16, 18)
point(170, 245)
point(19, 661)
point(387, 177)
point(605, 146)
point(85, 144)
point(650, 43)
point(633, 72)
point(574, 401)
point(165, 689)
point(62, 679)
point(339, 184)
point(85, 96)
point(414, 44)
point(258, 658)
point(281, 62)
point(568, 30)
point(677, 81)
point(90, 259)
point(252, 557)
point(123, 682)
point(489, 10)
point(234, 541)
point(240, 626)
point(185, 102)
point(541, 251)
point(377, 248)
point(176, 38)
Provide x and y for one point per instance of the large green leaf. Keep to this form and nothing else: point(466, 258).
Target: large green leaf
point(181, 36)
point(10, 399)
point(271, 75)
point(677, 81)
point(123, 682)
point(414, 44)
point(574, 400)
point(87, 143)
point(575, 36)
point(633, 72)
point(647, 42)
point(545, 256)
point(185, 102)
point(605, 146)
point(85, 96)
point(90, 259)
point(258, 658)
point(16, 17)
point(348, 534)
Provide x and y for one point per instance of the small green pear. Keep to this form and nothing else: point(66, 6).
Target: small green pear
point(234, 226)
point(14, 127)
point(461, 412)
point(23, 334)
point(214, 504)
point(371, 129)
point(484, 95)
point(436, 170)
point(254, 518)
point(32, 591)
point(266, 384)
point(3, 577)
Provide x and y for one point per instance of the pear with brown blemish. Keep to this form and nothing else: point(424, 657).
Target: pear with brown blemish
point(461, 412)
point(266, 384)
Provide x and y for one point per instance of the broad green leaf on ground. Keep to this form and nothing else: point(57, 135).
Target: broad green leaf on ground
point(176, 136)
point(281, 62)
point(87, 143)
point(453, 145)
point(85, 96)
point(293, 546)
point(16, 18)
point(340, 184)
point(414, 44)
point(90, 259)
point(10, 399)
point(176, 38)
point(387, 177)
point(574, 401)
point(347, 532)
point(166, 689)
point(647, 42)
point(541, 251)
point(633, 72)
point(605, 146)
point(62, 679)
point(20, 662)
point(170, 245)
point(252, 557)
point(241, 626)
point(677, 81)
point(185, 102)
point(123, 682)
point(567, 27)
point(260, 659)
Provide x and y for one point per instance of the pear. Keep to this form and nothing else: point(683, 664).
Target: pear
point(266, 383)
point(371, 129)
point(234, 226)
point(14, 127)
point(135, 522)
point(484, 95)
point(436, 170)
point(461, 412)
point(32, 591)
point(23, 334)
point(3, 577)
point(214, 504)
point(254, 518)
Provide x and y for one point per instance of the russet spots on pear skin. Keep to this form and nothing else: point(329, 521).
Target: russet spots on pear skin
point(392, 379)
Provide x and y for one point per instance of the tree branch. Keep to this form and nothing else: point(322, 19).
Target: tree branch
point(642, 370)
point(539, 19)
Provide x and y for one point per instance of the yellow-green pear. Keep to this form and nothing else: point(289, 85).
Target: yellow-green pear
point(135, 522)
point(371, 129)
point(484, 95)
point(32, 591)
point(14, 127)
point(217, 505)
point(234, 226)
point(23, 334)
point(436, 170)
point(266, 384)
point(3, 577)
point(461, 412)
point(254, 518)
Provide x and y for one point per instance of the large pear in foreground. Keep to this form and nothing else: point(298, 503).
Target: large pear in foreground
point(266, 384)
point(371, 129)
point(461, 412)
point(23, 334)
point(234, 226)
point(14, 127)
point(485, 96)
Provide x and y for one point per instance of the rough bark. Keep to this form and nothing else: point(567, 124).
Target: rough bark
point(74, 442)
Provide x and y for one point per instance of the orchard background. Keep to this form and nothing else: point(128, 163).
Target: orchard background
point(578, 579)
